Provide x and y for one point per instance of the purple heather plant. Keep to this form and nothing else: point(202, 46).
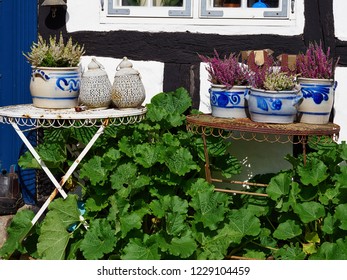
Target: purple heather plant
point(226, 71)
point(259, 72)
point(315, 63)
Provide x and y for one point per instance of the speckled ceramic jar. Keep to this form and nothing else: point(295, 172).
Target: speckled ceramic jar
point(127, 90)
point(96, 87)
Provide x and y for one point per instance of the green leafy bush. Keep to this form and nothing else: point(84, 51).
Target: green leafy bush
point(143, 194)
point(145, 198)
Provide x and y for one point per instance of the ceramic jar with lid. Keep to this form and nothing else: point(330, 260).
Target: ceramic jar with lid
point(96, 87)
point(127, 90)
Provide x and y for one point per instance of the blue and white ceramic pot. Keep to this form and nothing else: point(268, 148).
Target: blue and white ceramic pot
point(55, 87)
point(228, 103)
point(318, 100)
point(273, 106)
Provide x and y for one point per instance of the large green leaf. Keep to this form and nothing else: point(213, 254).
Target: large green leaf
point(99, 240)
point(343, 150)
point(124, 174)
point(183, 246)
point(214, 247)
point(329, 224)
point(180, 161)
point(290, 252)
point(147, 154)
point(169, 106)
point(138, 249)
point(287, 230)
point(313, 173)
point(94, 171)
point(17, 231)
point(54, 238)
point(209, 208)
point(242, 223)
point(66, 210)
point(175, 223)
point(309, 211)
point(133, 220)
point(341, 178)
point(332, 251)
point(279, 186)
point(174, 210)
point(341, 215)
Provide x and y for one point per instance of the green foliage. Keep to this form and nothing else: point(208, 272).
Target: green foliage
point(143, 191)
point(145, 197)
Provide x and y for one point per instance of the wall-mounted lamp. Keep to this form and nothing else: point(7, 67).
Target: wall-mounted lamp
point(53, 4)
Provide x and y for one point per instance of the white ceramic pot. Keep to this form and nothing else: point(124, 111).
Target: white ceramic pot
point(318, 100)
point(229, 103)
point(273, 106)
point(55, 88)
point(127, 89)
point(95, 87)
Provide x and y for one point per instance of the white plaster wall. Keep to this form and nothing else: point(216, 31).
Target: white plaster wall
point(341, 102)
point(340, 20)
point(86, 15)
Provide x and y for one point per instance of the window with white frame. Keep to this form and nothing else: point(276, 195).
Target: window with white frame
point(204, 9)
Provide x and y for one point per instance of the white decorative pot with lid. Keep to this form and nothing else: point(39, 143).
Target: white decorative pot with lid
point(96, 87)
point(127, 90)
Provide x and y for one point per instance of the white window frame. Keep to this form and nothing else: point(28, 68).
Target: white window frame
point(199, 16)
point(206, 10)
point(114, 8)
point(282, 12)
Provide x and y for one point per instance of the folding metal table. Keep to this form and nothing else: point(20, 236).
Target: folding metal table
point(26, 117)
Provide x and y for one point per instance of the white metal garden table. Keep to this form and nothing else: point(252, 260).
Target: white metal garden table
point(27, 117)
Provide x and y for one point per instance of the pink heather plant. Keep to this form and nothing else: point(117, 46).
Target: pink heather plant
point(315, 63)
point(226, 71)
point(260, 72)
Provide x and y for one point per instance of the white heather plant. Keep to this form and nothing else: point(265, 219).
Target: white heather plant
point(54, 53)
point(279, 81)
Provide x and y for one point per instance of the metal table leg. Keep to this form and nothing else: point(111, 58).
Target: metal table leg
point(72, 168)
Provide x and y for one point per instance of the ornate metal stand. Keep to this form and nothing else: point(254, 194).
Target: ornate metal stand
point(27, 117)
point(246, 129)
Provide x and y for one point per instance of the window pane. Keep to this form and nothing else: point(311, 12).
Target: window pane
point(263, 3)
point(134, 2)
point(230, 3)
point(170, 3)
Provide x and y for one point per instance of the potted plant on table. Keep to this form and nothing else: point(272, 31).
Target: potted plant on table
point(56, 75)
point(274, 96)
point(229, 84)
point(315, 69)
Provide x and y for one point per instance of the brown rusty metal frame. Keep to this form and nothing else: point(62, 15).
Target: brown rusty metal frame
point(245, 129)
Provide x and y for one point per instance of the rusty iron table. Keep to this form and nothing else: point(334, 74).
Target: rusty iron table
point(27, 117)
point(246, 129)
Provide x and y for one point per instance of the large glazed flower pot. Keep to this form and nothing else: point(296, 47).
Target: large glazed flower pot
point(273, 106)
point(228, 103)
point(55, 88)
point(318, 100)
